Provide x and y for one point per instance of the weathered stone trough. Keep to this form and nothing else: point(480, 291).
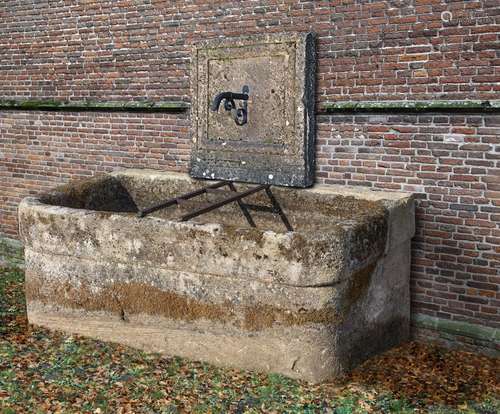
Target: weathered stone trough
point(310, 304)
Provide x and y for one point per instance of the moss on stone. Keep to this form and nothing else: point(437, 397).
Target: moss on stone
point(470, 330)
point(126, 106)
point(411, 106)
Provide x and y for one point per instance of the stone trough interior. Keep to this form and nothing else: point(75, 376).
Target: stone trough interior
point(307, 212)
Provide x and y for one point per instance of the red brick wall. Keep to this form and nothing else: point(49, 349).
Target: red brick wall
point(39, 149)
point(452, 163)
point(368, 51)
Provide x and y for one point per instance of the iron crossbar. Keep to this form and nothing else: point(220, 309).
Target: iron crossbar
point(236, 197)
point(178, 200)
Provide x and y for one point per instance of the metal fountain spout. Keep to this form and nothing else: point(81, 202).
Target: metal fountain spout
point(239, 115)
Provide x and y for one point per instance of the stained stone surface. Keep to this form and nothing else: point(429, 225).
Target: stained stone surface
point(310, 304)
point(277, 144)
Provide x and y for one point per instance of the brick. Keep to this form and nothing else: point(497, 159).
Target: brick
point(473, 299)
point(464, 207)
point(483, 286)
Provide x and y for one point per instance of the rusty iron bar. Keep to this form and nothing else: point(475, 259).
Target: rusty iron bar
point(178, 200)
point(242, 206)
point(278, 208)
point(218, 204)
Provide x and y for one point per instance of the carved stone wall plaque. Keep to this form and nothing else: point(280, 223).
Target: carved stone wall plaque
point(276, 143)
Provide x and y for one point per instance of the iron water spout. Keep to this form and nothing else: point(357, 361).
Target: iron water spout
point(229, 97)
point(240, 115)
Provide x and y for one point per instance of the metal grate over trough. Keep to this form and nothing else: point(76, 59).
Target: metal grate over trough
point(275, 207)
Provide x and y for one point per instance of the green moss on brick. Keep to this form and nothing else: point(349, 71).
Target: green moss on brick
point(411, 106)
point(115, 106)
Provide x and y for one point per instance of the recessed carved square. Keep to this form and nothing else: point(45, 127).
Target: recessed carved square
point(268, 137)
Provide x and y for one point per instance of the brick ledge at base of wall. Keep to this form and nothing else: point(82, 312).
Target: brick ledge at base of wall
point(456, 334)
point(10, 252)
point(16, 244)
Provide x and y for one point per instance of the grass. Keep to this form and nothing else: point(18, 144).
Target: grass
point(53, 372)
